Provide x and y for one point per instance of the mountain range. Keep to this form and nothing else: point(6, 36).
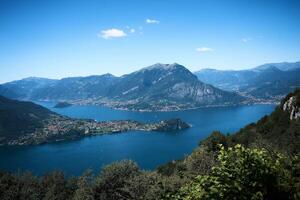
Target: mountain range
point(158, 87)
point(164, 87)
point(266, 82)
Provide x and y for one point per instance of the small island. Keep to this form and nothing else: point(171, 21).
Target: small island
point(62, 104)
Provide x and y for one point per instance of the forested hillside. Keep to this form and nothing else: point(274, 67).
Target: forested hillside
point(18, 118)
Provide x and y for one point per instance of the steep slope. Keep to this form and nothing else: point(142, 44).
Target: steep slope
point(20, 118)
point(279, 131)
point(169, 87)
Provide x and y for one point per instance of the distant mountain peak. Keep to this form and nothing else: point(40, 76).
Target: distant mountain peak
point(267, 68)
point(162, 66)
point(31, 78)
point(108, 75)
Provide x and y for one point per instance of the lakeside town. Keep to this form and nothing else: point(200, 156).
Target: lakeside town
point(60, 128)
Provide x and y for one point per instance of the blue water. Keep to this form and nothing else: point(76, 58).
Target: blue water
point(148, 149)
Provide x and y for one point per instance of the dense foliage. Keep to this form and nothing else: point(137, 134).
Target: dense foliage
point(245, 174)
point(275, 132)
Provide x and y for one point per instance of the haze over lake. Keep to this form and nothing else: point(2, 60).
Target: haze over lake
point(148, 149)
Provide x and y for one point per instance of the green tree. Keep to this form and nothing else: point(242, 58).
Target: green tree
point(199, 162)
point(29, 186)
point(112, 180)
point(145, 186)
point(243, 174)
point(295, 178)
point(213, 141)
point(8, 186)
point(55, 187)
point(84, 189)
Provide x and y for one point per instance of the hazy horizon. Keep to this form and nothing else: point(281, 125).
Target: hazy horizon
point(57, 39)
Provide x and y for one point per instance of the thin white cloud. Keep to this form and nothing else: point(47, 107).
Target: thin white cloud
point(245, 40)
point(112, 33)
point(152, 21)
point(204, 49)
point(132, 30)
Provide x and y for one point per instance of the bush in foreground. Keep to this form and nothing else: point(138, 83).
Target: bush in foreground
point(244, 173)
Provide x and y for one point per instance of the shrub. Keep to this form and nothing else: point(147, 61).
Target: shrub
point(243, 174)
point(112, 179)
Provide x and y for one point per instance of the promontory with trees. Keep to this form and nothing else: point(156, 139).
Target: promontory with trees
point(25, 123)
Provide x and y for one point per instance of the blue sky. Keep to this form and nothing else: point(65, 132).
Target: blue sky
point(59, 38)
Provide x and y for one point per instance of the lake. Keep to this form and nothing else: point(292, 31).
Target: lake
point(148, 149)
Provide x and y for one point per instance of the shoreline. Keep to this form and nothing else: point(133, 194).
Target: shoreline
point(66, 129)
point(171, 110)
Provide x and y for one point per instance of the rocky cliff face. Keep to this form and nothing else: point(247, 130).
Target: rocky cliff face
point(168, 87)
point(292, 107)
point(279, 131)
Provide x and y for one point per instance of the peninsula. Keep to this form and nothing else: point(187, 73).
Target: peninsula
point(25, 123)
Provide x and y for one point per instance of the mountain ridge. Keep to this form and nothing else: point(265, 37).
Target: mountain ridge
point(268, 82)
point(159, 87)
